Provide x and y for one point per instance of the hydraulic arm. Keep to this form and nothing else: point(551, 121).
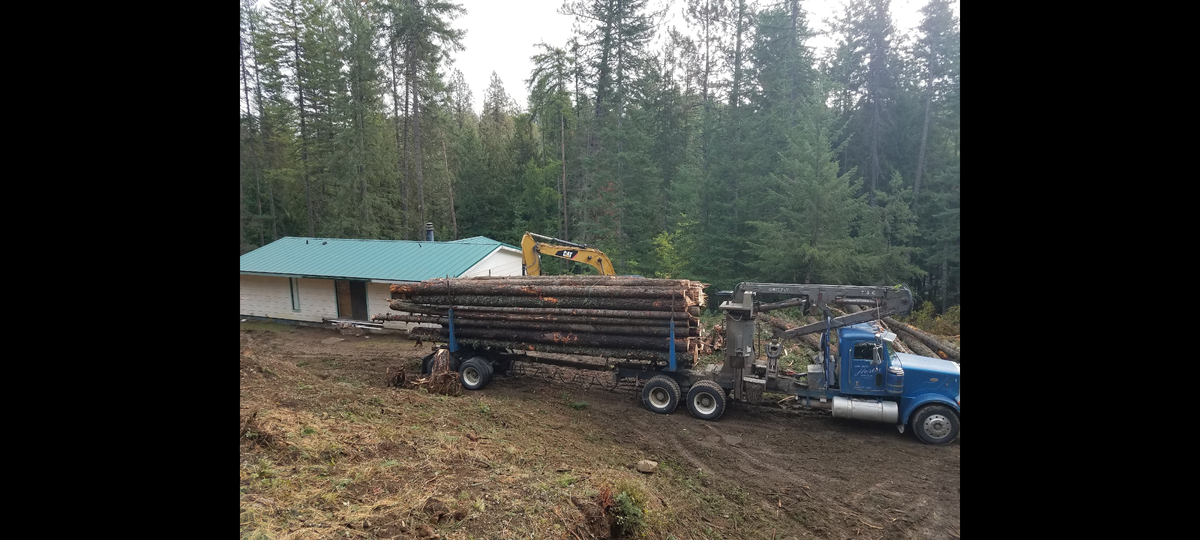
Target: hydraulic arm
point(532, 250)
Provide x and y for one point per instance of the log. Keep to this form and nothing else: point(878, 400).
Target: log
point(928, 339)
point(462, 316)
point(610, 281)
point(410, 318)
point(915, 344)
point(577, 302)
point(603, 352)
point(779, 326)
point(658, 331)
point(690, 313)
point(506, 289)
point(560, 338)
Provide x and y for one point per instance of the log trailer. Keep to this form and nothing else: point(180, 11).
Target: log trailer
point(532, 250)
point(855, 375)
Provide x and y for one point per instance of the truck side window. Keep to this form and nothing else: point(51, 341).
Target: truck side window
point(864, 350)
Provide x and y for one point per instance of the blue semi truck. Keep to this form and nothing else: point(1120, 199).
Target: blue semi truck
point(857, 374)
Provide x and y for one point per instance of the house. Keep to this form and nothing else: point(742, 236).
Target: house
point(314, 280)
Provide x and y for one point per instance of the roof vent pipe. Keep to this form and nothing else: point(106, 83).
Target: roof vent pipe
point(429, 232)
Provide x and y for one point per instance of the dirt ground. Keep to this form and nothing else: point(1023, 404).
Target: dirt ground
point(330, 450)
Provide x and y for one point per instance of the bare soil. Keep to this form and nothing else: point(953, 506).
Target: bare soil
point(330, 450)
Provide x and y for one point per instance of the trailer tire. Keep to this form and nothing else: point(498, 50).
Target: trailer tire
point(474, 373)
point(706, 400)
point(935, 424)
point(661, 394)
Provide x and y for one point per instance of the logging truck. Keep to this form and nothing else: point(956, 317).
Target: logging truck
point(857, 374)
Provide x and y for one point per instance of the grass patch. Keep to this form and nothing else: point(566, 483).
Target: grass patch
point(566, 480)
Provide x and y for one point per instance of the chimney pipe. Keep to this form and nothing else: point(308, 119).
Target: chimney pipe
point(429, 232)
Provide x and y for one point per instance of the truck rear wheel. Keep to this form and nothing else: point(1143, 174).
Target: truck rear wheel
point(475, 373)
point(661, 394)
point(706, 400)
point(936, 424)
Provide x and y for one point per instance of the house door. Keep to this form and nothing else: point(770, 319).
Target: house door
point(351, 299)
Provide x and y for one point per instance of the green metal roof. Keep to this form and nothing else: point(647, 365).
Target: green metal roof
point(485, 239)
point(395, 260)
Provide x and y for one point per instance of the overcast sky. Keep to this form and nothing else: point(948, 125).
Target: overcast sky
point(501, 36)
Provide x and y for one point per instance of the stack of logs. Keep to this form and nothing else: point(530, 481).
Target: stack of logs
point(910, 339)
point(600, 316)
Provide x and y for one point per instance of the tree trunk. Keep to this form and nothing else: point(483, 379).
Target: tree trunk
point(945, 284)
point(417, 151)
point(610, 281)
point(603, 352)
point(690, 314)
point(581, 329)
point(924, 134)
point(915, 344)
point(647, 343)
point(303, 128)
point(487, 289)
point(929, 340)
point(778, 326)
point(450, 183)
point(550, 322)
point(562, 123)
point(637, 304)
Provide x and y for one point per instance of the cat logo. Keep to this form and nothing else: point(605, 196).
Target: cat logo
point(566, 253)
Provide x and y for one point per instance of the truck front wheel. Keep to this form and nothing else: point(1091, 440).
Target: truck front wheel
point(936, 424)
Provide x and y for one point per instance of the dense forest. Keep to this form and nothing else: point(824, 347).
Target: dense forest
point(731, 153)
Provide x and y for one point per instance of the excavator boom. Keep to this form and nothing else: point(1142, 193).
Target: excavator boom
point(532, 250)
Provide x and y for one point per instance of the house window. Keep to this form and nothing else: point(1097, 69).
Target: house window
point(295, 286)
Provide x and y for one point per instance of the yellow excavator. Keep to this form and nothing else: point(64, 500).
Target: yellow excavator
point(532, 250)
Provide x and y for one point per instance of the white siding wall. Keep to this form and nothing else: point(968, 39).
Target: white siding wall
point(270, 296)
point(502, 262)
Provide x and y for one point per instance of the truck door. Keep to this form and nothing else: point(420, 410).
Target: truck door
point(867, 368)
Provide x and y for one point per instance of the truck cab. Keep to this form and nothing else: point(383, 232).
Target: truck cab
point(869, 372)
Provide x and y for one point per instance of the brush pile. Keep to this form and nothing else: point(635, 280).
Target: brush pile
point(601, 316)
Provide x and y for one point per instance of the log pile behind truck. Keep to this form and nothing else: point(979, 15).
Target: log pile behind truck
point(601, 316)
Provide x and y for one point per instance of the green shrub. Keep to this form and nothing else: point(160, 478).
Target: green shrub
point(629, 508)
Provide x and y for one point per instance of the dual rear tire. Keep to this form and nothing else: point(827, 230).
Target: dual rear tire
point(705, 400)
point(475, 373)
